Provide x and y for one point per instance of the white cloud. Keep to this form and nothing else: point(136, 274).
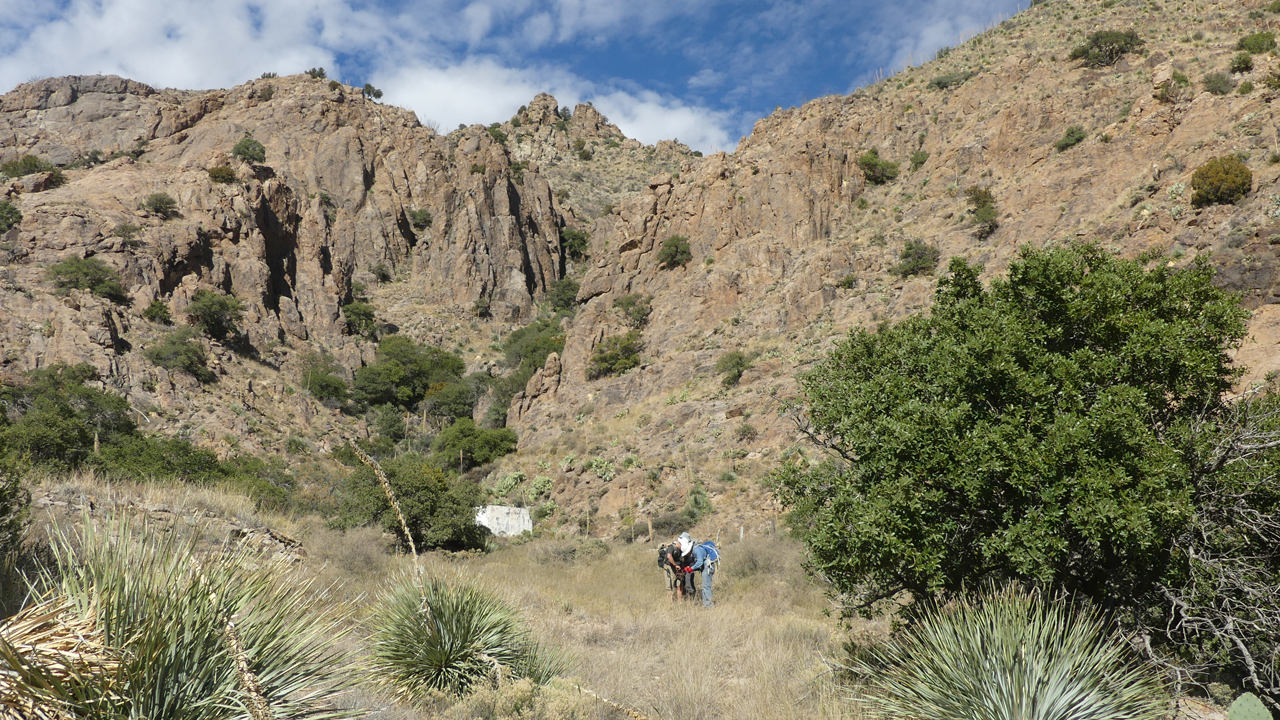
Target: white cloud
point(706, 78)
point(483, 90)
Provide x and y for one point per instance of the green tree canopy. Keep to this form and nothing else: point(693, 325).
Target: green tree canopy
point(465, 446)
point(404, 372)
point(1028, 430)
point(439, 510)
point(215, 315)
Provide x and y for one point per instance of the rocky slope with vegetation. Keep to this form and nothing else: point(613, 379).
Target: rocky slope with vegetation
point(680, 294)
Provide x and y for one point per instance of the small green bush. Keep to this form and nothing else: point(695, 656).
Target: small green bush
point(615, 355)
point(334, 84)
point(26, 165)
point(179, 350)
point(158, 311)
point(495, 132)
point(266, 93)
point(161, 204)
point(372, 92)
point(1219, 83)
point(1274, 6)
point(585, 154)
point(918, 159)
point(1221, 181)
point(877, 171)
point(1241, 63)
point(477, 169)
point(360, 319)
point(982, 203)
point(320, 377)
point(420, 219)
point(464, 445)
point(381, 272)
point(950, 80)
point(1260, 42)
point(10, 215)
point(563, 294)
point(916, 258)
point(87, 274)
point(1245, 88)
point(848, 281)
point(126, 231)
point(635, 308)
point(1074, 136)
point(575, 243)
point(215, 315)
point(249, 150)
point(316, 73)
point(674, 252)
point(1106, 47)
point(222, 174)
point(732, 365)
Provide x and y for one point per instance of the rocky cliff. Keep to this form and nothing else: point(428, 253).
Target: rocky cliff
point(791, 246)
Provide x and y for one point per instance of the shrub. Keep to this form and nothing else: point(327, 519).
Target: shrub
point(918, 159)
point(371, 92)
point(477, 169)
point(215, 315)
point(848, 281)
point(982, 203)
point(698, 504)
point(746, 432)
point(1106, 47)
point(179, 350)
point(877, 171)
point(1074, 136)
point(916, 258)
point(1260, 42)
point(403, 372)
point(361, 319)
point(615, 355)
point(158, 311)
point(14, 502)
point(950, 80)
point(161, 204)
point(636, 308)
point(543, 511)
point(674, 252)
point(1241, 63)
point(1010, 655)
point(541, 485)
point(732, 364)
point(316, 73)
point(321, 377)
point(222, 174)
point(438, 509)
point(495, 132)
point(10, 216)
point(126, 231)
point(451, 639)
point(1220, 181)
point(163, 609)
point(87, 274)
point(563, 294)
point(1246, 87)
point(249, 150)
point(26, 165)
point(381, 272)
point(585, 154)
point(1218, 83)
point(420, 219)
point(525, 351)
point(334, 84)
point(463, 445)
point(575, 243)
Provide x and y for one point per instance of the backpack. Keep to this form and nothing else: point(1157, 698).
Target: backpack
point(713, 554)
point(663, 552)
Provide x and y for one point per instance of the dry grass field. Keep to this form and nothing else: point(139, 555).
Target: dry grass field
point(759, 653)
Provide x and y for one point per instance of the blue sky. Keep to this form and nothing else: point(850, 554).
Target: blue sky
point(702, 71)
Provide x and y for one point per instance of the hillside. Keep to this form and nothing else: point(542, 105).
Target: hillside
point(790, 245)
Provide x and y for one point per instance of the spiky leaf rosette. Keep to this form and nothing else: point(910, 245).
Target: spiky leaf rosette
point(164, 608)
point(451, 638)
point(1010, 655)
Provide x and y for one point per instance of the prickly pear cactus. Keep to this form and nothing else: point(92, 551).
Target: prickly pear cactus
point(1248, 707)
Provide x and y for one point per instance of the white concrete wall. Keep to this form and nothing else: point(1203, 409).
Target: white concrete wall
point(504, 521)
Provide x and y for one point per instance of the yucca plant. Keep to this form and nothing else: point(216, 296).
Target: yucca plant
point(1010, 655)
point(52, 662)
point(451, 639)
point(214, 636)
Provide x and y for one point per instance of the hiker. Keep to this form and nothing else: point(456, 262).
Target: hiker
point(705, 559)
point(669, 560)
point(684, 561)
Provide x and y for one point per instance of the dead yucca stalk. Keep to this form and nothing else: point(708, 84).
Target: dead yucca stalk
point(48, 655)
point(395, 506)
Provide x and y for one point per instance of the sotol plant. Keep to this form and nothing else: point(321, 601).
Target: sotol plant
point(1011, 655)
point(163, 614)
point(451, 638)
